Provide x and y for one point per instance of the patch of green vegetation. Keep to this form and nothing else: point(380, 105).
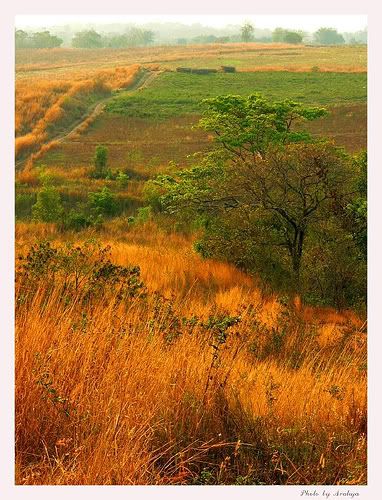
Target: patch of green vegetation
point(176, 93)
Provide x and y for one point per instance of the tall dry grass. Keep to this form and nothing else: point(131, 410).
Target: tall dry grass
point(41, 105)
point(164, 389)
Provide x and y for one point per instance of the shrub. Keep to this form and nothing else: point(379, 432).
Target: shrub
point(48, 207)
point(100, 162)
point(77, 220)
point(82, 272)
point(103, 203)
point(122, 179)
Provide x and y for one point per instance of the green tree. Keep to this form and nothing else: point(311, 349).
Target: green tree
point(292, 37)
point(263, 188)
point(281, 35)
point(89, 39)
point(357, 209)
point(247, 32)
point(22, 40)
point(328, 36)
point(244, 126)
point(44, 40)
point(278, 35)
point(48, 207)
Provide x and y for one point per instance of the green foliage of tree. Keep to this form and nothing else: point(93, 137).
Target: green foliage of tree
point(281, 35)
point(357, 209)
point(278, 35)
point(133, 38)
point(292, 37)
point(88, 39)
point(247, 32)
point(44, 39)
point(21, 39)
point(328, 36)
point(77, 219)
point(246, 125)
point(48, 207)
point(38, 40)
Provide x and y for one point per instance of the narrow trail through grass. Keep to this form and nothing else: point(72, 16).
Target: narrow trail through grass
point(94, 111)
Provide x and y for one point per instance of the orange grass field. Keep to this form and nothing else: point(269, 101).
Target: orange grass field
point(130, 392)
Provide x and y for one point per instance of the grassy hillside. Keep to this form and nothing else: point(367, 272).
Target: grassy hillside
point(196, 379)
point(138, 361)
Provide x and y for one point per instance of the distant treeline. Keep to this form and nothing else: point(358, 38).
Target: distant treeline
point(140, 37)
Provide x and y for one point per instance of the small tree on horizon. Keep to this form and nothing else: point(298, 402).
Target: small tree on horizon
point(247, 32)
point(328, 36)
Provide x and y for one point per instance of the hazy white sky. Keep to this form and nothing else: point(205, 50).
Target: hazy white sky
point(304, 22)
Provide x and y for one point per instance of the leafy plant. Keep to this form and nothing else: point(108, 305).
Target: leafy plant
point(103, 203)
point(48, 207)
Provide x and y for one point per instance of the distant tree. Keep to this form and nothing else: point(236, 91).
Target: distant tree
point(281, 35)
point(278, 35)
point(148, 37)
point(222, 39)
point(118, 41)
point(44, 40)
point(21, 39)
point(137, 36)
point(328, 36)
point(247, 32)
point(292, 37)
point(89, 39)
point(38, 40)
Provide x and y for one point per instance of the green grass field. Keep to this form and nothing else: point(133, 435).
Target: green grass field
point(180, 93)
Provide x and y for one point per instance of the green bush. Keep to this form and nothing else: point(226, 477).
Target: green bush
point(103, 203)
point(100, 162)
point(48, 207)
point(77, 220)
point(122, 179)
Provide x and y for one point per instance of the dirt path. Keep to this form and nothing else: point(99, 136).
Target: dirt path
point(96, 109)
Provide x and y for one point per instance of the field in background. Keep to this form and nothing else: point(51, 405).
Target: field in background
point(146, 129)
point(206, 377)
point(244, 56)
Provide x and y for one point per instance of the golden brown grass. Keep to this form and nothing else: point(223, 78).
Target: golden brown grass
point(141, 391)
point(129, 392)
point(42, 104)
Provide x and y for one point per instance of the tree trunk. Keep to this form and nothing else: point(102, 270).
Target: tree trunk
point(296, 255)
